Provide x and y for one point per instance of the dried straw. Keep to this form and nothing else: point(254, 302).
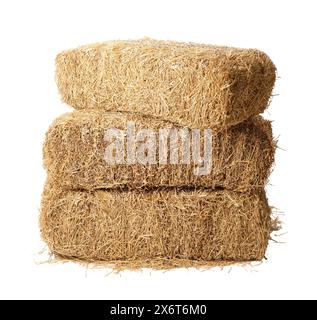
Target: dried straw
point(133, 229)
point(192, 84)
point(74, 149)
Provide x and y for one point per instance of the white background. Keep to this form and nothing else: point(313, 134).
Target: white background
point(33, 32)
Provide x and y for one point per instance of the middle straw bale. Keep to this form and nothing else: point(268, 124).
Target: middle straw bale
point(74, 154)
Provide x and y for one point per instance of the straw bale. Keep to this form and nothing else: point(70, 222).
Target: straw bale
point(192, 84)
point(74, 155)
point(135, 228)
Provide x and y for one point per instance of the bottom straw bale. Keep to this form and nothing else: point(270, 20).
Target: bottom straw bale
point(135, 228)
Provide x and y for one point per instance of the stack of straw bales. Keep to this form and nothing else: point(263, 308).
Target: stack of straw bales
point(152, 214)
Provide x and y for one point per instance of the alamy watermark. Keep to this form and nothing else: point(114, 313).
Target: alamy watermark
point(159, 147)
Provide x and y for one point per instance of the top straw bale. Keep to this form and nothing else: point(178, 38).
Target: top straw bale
point(191, 84)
